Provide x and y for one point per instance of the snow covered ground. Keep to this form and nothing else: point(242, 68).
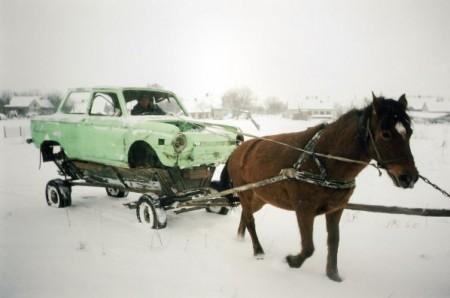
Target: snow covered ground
point(96, 248)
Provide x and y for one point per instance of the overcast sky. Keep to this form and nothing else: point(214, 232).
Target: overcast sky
point(342, 49)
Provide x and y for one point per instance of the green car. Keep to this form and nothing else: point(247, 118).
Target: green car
point(131, 139)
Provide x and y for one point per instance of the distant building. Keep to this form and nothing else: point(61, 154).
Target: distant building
point(206, 107)
point(429, 108)
point(29, 105)
point(205, 114)
point(431, 104)
point(311, 108)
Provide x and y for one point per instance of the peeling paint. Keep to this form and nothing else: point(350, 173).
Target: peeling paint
point(85, 136)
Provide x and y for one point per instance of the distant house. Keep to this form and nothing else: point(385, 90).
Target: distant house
point(428, 108)
point(206, 107)
point(203, 114)
point(431, 104)
point(313, 108)
point(29, 105)
point(219, 113)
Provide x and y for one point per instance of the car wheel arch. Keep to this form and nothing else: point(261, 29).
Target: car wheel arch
point(142, 154)
point(47, 151)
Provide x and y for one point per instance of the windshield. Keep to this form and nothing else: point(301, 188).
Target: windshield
point(143, 103)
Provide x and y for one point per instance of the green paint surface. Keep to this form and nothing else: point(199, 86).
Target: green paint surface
point(107, 138)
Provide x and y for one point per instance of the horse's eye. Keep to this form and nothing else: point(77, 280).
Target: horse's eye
point(386, 135)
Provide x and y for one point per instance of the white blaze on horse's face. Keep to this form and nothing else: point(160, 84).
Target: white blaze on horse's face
point(400, 128)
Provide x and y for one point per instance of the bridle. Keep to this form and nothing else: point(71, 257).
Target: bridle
point(382, 163)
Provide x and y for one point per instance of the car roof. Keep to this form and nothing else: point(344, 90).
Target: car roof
point(119, 89)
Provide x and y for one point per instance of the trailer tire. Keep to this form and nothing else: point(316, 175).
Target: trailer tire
point(116, 193)
point(58, 193)
point(148, 212)
point(218, 210)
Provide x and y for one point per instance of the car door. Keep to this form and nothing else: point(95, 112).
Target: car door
point(104, 131)
point(67, 130)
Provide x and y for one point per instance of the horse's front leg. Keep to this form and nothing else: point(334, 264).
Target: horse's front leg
point(305, 221)
point(333, 244)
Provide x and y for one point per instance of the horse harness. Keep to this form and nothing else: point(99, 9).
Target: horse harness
point(320, 179)
point(293, 173)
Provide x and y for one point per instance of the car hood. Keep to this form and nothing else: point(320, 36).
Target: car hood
point(186, 124)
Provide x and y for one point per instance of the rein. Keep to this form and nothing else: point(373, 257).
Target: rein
point(291, 173)
point(327, 156)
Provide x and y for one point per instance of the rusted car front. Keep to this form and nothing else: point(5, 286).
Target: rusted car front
point(94, 137)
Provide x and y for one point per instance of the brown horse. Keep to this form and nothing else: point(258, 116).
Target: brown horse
point(381, 131)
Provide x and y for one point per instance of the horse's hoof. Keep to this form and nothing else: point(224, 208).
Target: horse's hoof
point(334, 276)
point(293, 261)
point(259, 256)
point(240, 238)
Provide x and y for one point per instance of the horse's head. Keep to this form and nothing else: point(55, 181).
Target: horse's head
point(389, 131)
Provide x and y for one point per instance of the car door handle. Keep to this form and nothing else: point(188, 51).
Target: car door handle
point(86, 122)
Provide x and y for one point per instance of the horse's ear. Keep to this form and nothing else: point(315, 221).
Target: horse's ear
point(375, 103)
point(402, 100)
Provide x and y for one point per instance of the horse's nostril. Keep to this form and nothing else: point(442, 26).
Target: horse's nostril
point(405, 179)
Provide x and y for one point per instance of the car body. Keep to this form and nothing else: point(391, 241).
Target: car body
point(95, 126)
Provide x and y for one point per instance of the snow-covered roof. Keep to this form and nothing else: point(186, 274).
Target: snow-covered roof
point(45, 103)
point(22, 101)
point(311, 104)
point(315, 105)
point(203, 104)
point(25, 102)
point(425, 115)
point(429, 104)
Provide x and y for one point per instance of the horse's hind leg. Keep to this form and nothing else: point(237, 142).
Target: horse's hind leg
point(242, 226)
point(305, 222)
point(249, 206)
point(255, 205)
point(333, 244)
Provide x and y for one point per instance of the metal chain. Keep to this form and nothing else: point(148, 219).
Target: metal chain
point(426, 180)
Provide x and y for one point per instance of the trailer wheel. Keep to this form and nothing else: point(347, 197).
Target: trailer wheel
point(148, 212)
point(218, 210)
point(116, 193)
point(58, 193)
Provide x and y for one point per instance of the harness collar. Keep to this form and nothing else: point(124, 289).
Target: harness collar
point(317, 179)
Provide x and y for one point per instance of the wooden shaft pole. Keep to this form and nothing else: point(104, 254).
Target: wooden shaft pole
point(399, 210)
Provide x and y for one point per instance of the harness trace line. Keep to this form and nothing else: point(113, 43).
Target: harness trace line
point(328, 156)
point(287, 172)
point(319, 179)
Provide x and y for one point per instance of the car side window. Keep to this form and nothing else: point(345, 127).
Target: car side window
point(105, 104)
point(76, 103)
point(131, 104)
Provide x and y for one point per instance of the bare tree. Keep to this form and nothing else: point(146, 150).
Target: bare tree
point(5, 97)
point(238, 100)
point(55, 98)
point(275, 105)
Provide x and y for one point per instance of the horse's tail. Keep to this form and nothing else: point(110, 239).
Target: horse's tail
point(225, 183)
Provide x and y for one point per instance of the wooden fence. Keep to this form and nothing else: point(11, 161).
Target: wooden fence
point(15, 131)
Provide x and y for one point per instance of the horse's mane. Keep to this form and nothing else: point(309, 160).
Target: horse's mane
point(390, 111)
point(356, 117)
